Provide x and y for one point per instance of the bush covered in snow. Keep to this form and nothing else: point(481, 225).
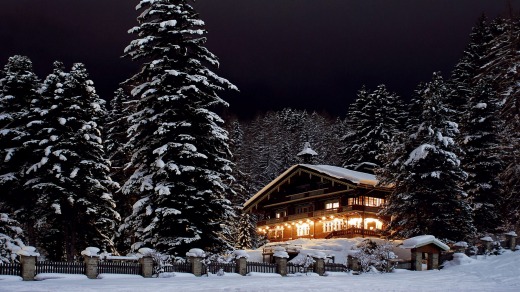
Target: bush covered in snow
point(374, 256)
point(10, 239)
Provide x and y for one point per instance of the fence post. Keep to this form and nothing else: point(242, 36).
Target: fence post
point(146, 266)
point(487, 242)
point(28, 257)
point(511, 240)
point(281, 265)
point(319, 266)
point(195, 256)
point(353, 263)
point(91, 259)
point(241, 261)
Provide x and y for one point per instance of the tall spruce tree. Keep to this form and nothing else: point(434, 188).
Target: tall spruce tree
point(18, 88)
point(70, 175)
point(473, 58)
point(428, 198)
point(482, 159)
point(376, 117)
point(179, 149)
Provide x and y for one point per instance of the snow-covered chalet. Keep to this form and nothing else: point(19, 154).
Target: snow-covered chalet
point(319, 201)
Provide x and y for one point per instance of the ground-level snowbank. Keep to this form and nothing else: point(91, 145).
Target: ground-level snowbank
point(492, 273)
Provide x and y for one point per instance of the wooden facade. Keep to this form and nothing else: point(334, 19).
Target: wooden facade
point(319, 201)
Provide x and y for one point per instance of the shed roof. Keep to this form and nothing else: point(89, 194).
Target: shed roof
point(423, 240)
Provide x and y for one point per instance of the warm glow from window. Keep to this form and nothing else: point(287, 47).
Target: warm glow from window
point(303, 229)
point(336, 224)
point(369, 201)
point(332, 205)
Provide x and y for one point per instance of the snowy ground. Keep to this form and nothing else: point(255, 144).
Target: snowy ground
point(492, 273)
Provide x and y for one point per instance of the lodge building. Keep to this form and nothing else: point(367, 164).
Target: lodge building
point(319, 201)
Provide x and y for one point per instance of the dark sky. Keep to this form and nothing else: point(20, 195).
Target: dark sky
point(304, 54)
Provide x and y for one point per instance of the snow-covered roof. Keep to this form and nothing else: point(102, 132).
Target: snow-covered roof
point(340, 173)
point(343, 173)
point(423, 240)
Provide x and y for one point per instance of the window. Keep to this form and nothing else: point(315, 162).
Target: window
point(374, 202)
point(280, 214)
point(368, 201)
point(354, 201)
point(329, 226)
point(331, 205)
point(303, 209)
point(303, 229)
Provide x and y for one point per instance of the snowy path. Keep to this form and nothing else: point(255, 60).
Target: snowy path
point(495, 273)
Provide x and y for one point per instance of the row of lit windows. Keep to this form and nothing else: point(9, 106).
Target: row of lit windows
point(329, 205)
point(368, 201)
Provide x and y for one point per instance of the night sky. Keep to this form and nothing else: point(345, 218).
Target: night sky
point(303, 54)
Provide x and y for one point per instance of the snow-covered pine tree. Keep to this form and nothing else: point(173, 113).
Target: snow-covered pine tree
point(246, 238)
point(377, 117)
point(482, 161)
point(116, 136)
point(469, 66)
point(11, 239)
point(428, 198)
point(353, 122)
point(18, 88)
point(179, 149)
point(70, 174)
point(121, 107)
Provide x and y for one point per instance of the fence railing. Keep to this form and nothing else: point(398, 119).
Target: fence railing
point(261, 267)
point(177, 268)
point(332, 267)
point(214, 268)
point(11, 269)
point(119, 268)
point(60, 267)
point(294, 268)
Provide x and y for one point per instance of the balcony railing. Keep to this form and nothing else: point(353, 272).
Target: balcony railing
point(351, 231)
point(320, 213)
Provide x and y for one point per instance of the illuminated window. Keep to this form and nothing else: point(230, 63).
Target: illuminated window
point(374, 202)
point(332, 205)
point(281, 213)
point(354, 201)
point(329, 226)
point(369, 201)
point(303, 229)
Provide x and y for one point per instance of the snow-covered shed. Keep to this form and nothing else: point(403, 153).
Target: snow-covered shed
point(426, 250)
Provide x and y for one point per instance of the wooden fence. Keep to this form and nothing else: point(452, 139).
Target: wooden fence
point(119, 268)
point(213, 268)
point(60, 267)
point(13, 269)
point(177, 268)
point(261, 267)
point(294, 268)
point(332, 267)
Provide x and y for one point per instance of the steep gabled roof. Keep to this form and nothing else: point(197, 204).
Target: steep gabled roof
point(338, 174)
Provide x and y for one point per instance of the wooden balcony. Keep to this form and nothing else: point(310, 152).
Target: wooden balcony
point(353, 232)
point(320, 213)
